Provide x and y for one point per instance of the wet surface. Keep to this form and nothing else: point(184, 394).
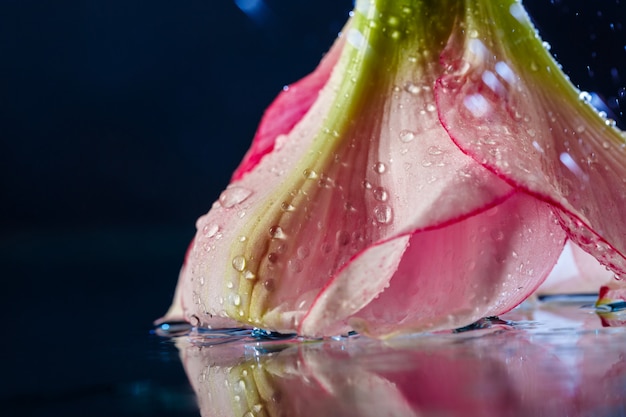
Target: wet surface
point(556, 358)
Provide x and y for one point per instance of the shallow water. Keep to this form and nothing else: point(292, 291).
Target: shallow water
point(551, 358)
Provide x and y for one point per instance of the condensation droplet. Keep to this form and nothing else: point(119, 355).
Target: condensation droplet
point(309, 174)
point(276, 232)
point(295, 265)
point(210, 230)
point(286, 207)
point(249, 275)
point(497, 235)
point(233, 196)
point(380, 194)
point(584, 96)
point(412, 88)
point(303, 252)
point(236, 300)
point(407, 136)
point(273, 257)
point(383, 213)
point(343, 238)
point(435, 150)
point(239, 263)
point(380, 167)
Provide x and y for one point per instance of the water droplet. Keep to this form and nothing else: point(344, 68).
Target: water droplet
point(230, 285)
point(434, 150)
point(497, 235)
point(286, 207)
point(343, 238)
point(606, 145)
point(412, 88)
point(473, 33)
point(303, 252)
point(249, 275)
point(309, 174)
point(234, 195)
point(584, 96)
point(366, 184)
point(273, 257)
point(295, 265)
point(236, 298)
point(380, 168)
point(269, 285)
point(276, 232)
point(210, 230)
point(383, 213)
point(380, 194)
point(430, 107)
point(242, 238)
point(393, 21)
point(194, 320)
point(407, 136)
point(239, 263)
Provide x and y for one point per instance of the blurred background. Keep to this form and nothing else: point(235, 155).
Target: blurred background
point(120, 123)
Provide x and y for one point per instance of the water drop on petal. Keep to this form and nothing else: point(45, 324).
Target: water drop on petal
point(383, 213)
point(233, 196)
point(407, 136)
point(239, 263)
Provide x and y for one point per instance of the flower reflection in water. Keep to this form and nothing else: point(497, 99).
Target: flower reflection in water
point(553, 360)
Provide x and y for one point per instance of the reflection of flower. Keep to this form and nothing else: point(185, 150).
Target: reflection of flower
point(425, 175)
point(567, 367)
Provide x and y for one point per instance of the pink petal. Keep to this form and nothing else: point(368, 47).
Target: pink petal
point(287, 110)
point(523, 121)
point(576, 272)
point(452, 275)
point(291, 228)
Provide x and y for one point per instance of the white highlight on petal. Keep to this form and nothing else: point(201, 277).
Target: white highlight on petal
point(477, 105)
point(478, 49)
point(505, 72)
point(364, 7)
point(569, 162)
point(356, 39)
point(517, 11)
point(491, 81)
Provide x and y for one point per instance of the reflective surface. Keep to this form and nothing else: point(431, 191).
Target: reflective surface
point(551, 359)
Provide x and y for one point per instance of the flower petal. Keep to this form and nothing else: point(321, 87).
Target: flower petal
point(516, 113)
point(287, 110)
point(454, 275)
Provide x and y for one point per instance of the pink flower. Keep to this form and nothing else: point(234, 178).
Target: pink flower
point(427, 174)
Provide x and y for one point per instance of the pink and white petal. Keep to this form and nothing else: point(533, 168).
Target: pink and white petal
point(287, 109)
point(453, 275)
point(525, 122)
point(576, 272)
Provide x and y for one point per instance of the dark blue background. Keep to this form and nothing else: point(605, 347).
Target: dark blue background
point(120, 123)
